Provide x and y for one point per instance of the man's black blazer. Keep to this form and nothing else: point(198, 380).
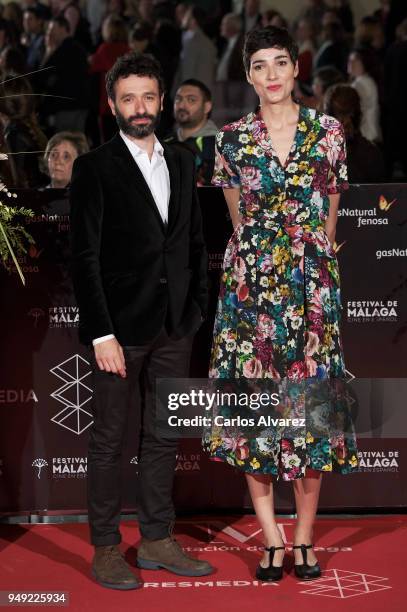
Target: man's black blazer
point(131, 272)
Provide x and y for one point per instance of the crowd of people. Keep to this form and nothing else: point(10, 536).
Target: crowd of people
point(64, 48)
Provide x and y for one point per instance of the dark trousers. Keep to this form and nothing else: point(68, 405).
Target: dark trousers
point(112, 399)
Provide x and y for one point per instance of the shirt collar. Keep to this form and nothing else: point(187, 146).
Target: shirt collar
point(136, 150)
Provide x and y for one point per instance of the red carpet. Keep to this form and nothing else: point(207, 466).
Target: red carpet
point(363, 561)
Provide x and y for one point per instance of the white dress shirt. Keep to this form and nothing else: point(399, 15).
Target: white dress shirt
point(369, 101)
point(157, 177)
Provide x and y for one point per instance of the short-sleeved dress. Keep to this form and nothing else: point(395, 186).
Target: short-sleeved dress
point(279, 304)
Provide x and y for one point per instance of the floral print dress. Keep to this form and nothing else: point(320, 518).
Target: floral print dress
point(279, 304)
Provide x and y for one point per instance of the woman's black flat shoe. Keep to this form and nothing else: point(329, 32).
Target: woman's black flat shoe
point(270, 573)
point(305, 571)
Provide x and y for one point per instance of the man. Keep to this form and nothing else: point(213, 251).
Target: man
point(251, 15)
point(139, 271)
point(43, 10)
point(230, 66)
point(333, 51)
point(66, 78)
point(196, 132)
point(198, 54)
point(33, 38)
point(79, 27)
point(95, 11)
point(233, 95)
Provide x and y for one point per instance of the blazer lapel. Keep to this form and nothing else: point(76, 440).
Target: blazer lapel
point(133, 176)
point(174, 172)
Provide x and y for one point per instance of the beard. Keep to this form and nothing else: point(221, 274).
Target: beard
point(137, 131)
point(187, 120)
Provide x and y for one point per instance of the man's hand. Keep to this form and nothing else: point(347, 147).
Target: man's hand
point(110, 358)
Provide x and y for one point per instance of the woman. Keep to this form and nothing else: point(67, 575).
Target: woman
point(12, 61)
point(14, 14)
point(321, 81)
point(62, 150)
point(333, 51)
point(118, 8)
point(78, 26)
point(305, 36)
point(362, 68)
point(365, 160)
point(370, 33)
point(282, 169)
point(22, 135)
point(275, 18)
point(8, 36)
point(114, 34)
point(344, 13)
point(140, 38)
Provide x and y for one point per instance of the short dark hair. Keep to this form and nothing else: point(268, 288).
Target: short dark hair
point(333, 31)
point(34, 11)
point(266, 38)
point(368, 58)
point(199, 15)
point(62, 22)
point(327, 76)
point(141, 31)
point(137, 64)
point(206, 92)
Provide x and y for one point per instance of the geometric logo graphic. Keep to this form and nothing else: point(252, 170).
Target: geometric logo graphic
point(39, 463)
point(73, 394)
point(349, 376)
point(341, 584)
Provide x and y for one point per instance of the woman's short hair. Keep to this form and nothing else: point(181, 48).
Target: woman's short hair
point(343, 102)
point(267, 38)
point(76, 139)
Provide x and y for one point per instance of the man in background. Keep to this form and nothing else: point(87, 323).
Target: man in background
point(67, 78)
point(33, 38)
point(195, 130)
point(198, 54)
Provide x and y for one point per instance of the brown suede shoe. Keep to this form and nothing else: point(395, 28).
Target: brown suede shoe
point(111, 570)
point(168, 554)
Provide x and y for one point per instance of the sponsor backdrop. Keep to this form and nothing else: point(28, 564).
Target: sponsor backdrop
point(46, 387)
